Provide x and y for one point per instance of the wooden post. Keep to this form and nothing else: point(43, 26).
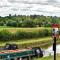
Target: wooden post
point(55, 48)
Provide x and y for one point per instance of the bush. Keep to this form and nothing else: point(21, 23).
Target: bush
point(1, 23)
point(47, 25)
point(12, 23)
point(35, 34)
point(47, 33)
point(19, 24)
point(41, 33)
point(5, 35)
point(28, 23)
point(44, 33)
point(21, 35)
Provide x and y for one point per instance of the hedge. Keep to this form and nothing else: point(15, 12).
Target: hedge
point(6, 35)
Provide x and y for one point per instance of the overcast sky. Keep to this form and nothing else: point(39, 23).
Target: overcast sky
point(27, 7)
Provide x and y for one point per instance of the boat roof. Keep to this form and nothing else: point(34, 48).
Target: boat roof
point(13, 51)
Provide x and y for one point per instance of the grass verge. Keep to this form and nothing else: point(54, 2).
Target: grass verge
point(29, 42)
point(48, 58)
point(36, 42)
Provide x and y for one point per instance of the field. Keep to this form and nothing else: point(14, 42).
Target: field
point(44, 42)
point(14, 29)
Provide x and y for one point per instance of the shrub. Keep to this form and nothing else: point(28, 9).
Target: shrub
point(1, 23)
point(5, 35)
point(19, 24)
point(12, 23)
point(28, 23)
point(35, 34)
point(46, 32)
point(21, 35)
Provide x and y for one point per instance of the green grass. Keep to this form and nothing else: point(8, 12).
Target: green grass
point(14, 29)
point(41, 42)
point(5, 27)
point(25, 41)
point(31, 40)
point(48, 58)
point(28, 42)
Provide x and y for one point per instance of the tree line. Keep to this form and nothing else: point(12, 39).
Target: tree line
point(28, 21)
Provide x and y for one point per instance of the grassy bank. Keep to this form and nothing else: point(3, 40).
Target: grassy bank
point(33, 42)
point(30, 42)
point(48, 58)
point(7, 34)
point(41, 42)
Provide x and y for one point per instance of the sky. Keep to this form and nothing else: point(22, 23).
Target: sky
point(30, 7)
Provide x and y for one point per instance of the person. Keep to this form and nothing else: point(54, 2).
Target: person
point(38, 52)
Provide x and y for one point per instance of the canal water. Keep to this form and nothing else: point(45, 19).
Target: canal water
point(49, 50)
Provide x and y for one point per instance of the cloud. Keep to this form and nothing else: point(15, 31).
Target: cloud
point(27, 7)
point(26, 1)
point(54, 3)
point(14, 9)
point(4, 3)
point(43, 2)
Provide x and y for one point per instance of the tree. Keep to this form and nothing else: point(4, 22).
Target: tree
point(1, 23)
point(12, 23)
point(28, 23)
